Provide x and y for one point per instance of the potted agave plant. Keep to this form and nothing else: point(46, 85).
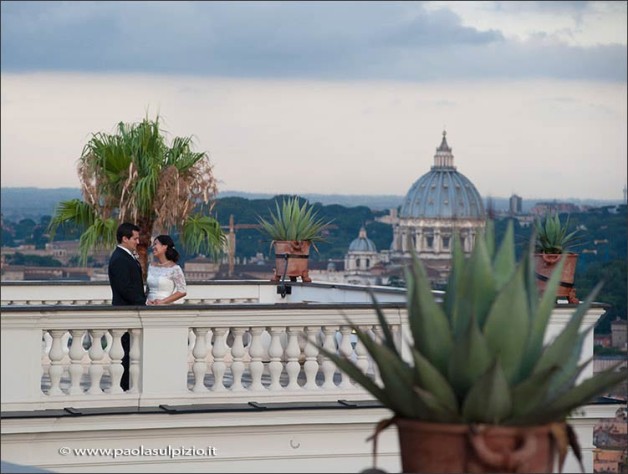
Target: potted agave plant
point(554, 243)
point(480, 390)
point(294, 228)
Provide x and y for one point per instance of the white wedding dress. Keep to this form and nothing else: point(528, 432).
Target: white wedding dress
point(164, 281)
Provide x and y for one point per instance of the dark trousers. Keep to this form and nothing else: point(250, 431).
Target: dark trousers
point(126, 345)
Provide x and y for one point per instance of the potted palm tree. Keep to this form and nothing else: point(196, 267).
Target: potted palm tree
point(135, 175)
point(293, 228)
point(481, 392)
point(554, 243)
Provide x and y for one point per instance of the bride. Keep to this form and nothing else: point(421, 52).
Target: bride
point(165, 279)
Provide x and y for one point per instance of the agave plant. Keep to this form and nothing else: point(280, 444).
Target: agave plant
point(479, 356)
point(552, 235)
point(294, 221)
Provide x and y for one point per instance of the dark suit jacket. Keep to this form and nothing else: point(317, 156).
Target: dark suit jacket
point(125, 278)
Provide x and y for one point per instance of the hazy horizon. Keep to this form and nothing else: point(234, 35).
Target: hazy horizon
point(235, 191)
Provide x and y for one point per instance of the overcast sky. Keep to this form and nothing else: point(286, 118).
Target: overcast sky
point(329, 97)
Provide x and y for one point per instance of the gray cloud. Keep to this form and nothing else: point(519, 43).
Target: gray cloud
point(327, 40)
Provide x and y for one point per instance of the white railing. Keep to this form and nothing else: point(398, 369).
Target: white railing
point(59, 357)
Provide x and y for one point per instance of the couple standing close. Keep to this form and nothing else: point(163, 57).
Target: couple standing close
point(165, 280)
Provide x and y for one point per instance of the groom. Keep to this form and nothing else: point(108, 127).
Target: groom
point(127, 284)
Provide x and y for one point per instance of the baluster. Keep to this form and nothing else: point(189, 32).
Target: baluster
point(76, 361)
point(134, 360)
point(237, 352)
point(56, 355)
point(191, 344)
point(378, 335)
point(329, 368)
point(208, 341)
point(361, 353)
point(346, 349)
point(46, 344)
point(293, 352)
point(311, 363)
point(96, 354)
point(108, 342)
point(256, 352)
point(116, 353)
point(200, 363)
point(275, 351)
point(218, 351)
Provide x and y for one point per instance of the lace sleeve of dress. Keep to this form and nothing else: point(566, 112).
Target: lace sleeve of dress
point(179, 280)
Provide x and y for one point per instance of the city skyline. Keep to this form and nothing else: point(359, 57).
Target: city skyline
point(351, 97)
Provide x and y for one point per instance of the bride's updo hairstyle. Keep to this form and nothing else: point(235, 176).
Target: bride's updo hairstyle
point(171, 251)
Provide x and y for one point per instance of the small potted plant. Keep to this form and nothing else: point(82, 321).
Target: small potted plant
point(554, 243)
point(293, 229)
point(479, 391)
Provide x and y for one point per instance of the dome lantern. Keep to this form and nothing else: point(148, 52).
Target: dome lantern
point(443, 192)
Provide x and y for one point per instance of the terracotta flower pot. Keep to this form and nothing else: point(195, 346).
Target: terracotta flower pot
point(452, 448)
point(545, 265)
point(291, 258)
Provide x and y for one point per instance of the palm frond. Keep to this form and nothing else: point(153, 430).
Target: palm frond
point(203, 234)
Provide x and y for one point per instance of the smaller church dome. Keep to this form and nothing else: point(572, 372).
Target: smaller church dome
point(362, 243)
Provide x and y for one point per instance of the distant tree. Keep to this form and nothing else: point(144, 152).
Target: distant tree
point(24, 230)
point(39, 237)
point(19, 258)
point(614, 292)
point(134, 175)
point(8, 234)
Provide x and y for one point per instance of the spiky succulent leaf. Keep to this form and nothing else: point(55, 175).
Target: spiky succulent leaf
point(540, 313)
point(362, 379)
point(560, 349)
point(452, 300)
point(397, 376)
point(577, 396)
point(489, 237)
point(569, 369)
point(428, 323)
point(438, 411)
point(489, 400)
point(504, 263)
point(431, 380)
point(531, 284)
point(507, 325)
point(552, 236)
point(528, 395)
point(470, 358)
point(389, 340)
point(481, 286)
point(294, 221)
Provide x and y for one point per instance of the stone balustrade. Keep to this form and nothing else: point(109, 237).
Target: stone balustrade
point(71, 356)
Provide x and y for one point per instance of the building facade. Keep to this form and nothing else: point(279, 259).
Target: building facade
point(440, 204)
point(361, 259)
